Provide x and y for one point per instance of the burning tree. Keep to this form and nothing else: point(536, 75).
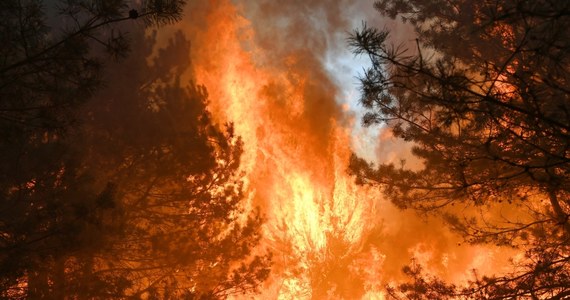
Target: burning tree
point(484, 96)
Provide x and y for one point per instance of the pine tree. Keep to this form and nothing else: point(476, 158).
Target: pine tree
point(484, 97)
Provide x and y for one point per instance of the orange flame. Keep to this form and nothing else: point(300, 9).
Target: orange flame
point(324, 230)
point(295, 166)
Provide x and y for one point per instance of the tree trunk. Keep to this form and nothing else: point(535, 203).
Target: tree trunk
point(561, 216)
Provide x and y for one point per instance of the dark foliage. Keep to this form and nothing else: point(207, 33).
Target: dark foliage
point(484, 95)
point(115, 182)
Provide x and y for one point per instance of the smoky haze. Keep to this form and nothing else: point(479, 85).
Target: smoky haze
point(264, 64)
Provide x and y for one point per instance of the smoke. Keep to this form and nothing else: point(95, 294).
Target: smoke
point(280, 72)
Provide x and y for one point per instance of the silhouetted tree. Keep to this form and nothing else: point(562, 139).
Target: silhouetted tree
point(184, 232)
point(48, 56)
point(48, 66)
point(484, 96)
point(113, 184)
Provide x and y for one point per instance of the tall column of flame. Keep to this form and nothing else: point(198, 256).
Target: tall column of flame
point(296, 153)
point(267, 76)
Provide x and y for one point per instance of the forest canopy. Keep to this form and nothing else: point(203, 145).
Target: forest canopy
point(484, 96)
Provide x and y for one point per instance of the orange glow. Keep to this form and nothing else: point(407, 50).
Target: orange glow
point(296, 170)
point(330, 238)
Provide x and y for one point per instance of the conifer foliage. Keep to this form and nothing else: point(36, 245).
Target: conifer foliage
point(114, 180)
point(484, 96)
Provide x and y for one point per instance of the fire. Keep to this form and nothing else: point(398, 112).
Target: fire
point(295, 168)
point(328, 237)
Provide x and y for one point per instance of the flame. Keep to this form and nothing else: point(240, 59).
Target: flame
point(294, 163)
point(323, 230)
